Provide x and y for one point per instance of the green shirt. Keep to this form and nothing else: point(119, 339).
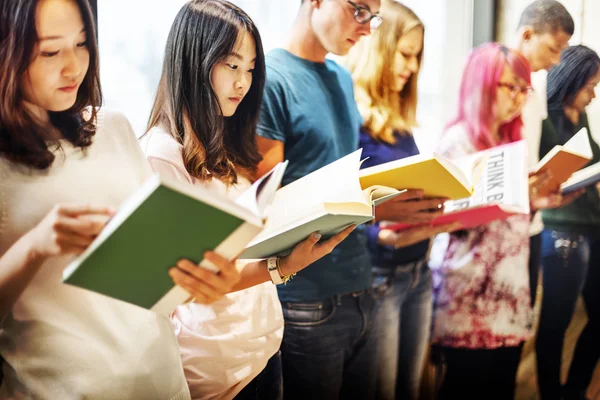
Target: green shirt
point(582, 215)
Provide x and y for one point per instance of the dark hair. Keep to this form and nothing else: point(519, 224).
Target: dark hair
point(578, 64)
point(547, 16)
point(23, 139)
point(204, 34)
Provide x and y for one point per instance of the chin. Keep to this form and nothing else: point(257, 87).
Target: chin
point(60, 107)
point(228, 113)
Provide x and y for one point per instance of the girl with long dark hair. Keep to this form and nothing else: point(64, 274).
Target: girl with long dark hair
point(65, 165)
point(202, 132)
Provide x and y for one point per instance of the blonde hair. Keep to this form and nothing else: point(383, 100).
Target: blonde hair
point(385, 112)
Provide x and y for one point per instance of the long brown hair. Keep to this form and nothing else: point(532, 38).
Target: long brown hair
point(23, 139)
point(384, 111)
point(203, 34)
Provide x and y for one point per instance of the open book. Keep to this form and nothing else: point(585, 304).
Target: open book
point(581, 179)
point(437, 176)
point(563, 161)
point(326, 200)
point(162, 222)
point(502, 191)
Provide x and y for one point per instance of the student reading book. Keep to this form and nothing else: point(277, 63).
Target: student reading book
point(482, 310)
point(201, 133)
point(64, 165)
point(570, 242)
point(385, 70)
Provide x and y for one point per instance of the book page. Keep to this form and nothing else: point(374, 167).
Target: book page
point(582, 178)
point(258, 197)
point(334, 183)
point(579, 144)
point(468, 169)
point(503, 181)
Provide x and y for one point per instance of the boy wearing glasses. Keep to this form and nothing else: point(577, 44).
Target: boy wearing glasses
point(310, 118)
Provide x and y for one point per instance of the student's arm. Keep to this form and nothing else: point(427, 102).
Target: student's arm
point(207, 286)
point(272, 153)
point(67, 229)
point(273, 126)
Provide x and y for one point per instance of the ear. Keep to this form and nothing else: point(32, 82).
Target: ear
point(526, 33)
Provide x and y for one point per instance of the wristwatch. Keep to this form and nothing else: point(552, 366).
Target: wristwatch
point(273, 267)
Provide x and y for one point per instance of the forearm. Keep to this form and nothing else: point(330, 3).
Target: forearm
point(18, 266)
point(253, 273)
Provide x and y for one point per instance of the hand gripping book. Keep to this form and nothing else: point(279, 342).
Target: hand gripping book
point(162, 222)
point(563, 161)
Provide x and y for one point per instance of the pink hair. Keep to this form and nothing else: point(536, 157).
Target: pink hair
point(477, 99)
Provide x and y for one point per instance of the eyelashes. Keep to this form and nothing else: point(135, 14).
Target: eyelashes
point(54, 53)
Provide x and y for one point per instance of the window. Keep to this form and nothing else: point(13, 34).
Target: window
point(132, 44)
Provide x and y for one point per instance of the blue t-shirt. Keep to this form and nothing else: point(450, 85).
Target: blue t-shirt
point(379, 152)
point(310, 107)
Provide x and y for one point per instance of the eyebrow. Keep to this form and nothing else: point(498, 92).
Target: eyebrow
point(363, 5)
point(236, 55)
point(56, 37)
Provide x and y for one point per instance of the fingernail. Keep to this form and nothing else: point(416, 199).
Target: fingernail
point(317, 236)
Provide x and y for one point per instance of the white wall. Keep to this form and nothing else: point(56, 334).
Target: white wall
point(131, 52)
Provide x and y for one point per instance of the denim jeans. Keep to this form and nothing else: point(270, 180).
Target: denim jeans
point(325, 352)
point(565, 258)
point(268, 385)
point(403, 319)
point(587, 349)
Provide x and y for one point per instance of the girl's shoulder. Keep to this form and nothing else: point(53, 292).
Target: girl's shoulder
point(159, 143)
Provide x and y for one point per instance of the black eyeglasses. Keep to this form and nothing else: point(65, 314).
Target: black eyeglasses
point(362, 15)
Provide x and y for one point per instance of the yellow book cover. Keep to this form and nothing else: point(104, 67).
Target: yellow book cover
point(437, 176)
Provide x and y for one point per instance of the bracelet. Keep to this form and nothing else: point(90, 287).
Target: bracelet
point(284, 278)
point(273, 268)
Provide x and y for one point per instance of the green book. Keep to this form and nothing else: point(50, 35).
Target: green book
point(327, 201)
point(162, 222)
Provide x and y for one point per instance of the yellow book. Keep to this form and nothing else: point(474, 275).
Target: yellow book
point(437, 176)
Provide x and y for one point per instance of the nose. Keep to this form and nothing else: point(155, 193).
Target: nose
point(243, 82)
point(71, 66)
point(413, 64)
point(364, 29)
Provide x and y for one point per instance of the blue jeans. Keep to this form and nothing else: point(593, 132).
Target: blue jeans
point(268, 385)
point(565, 258)
point(326, 351)
point(587, 350)
point(403, 318)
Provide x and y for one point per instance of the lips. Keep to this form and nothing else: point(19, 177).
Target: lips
point(69, 89)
